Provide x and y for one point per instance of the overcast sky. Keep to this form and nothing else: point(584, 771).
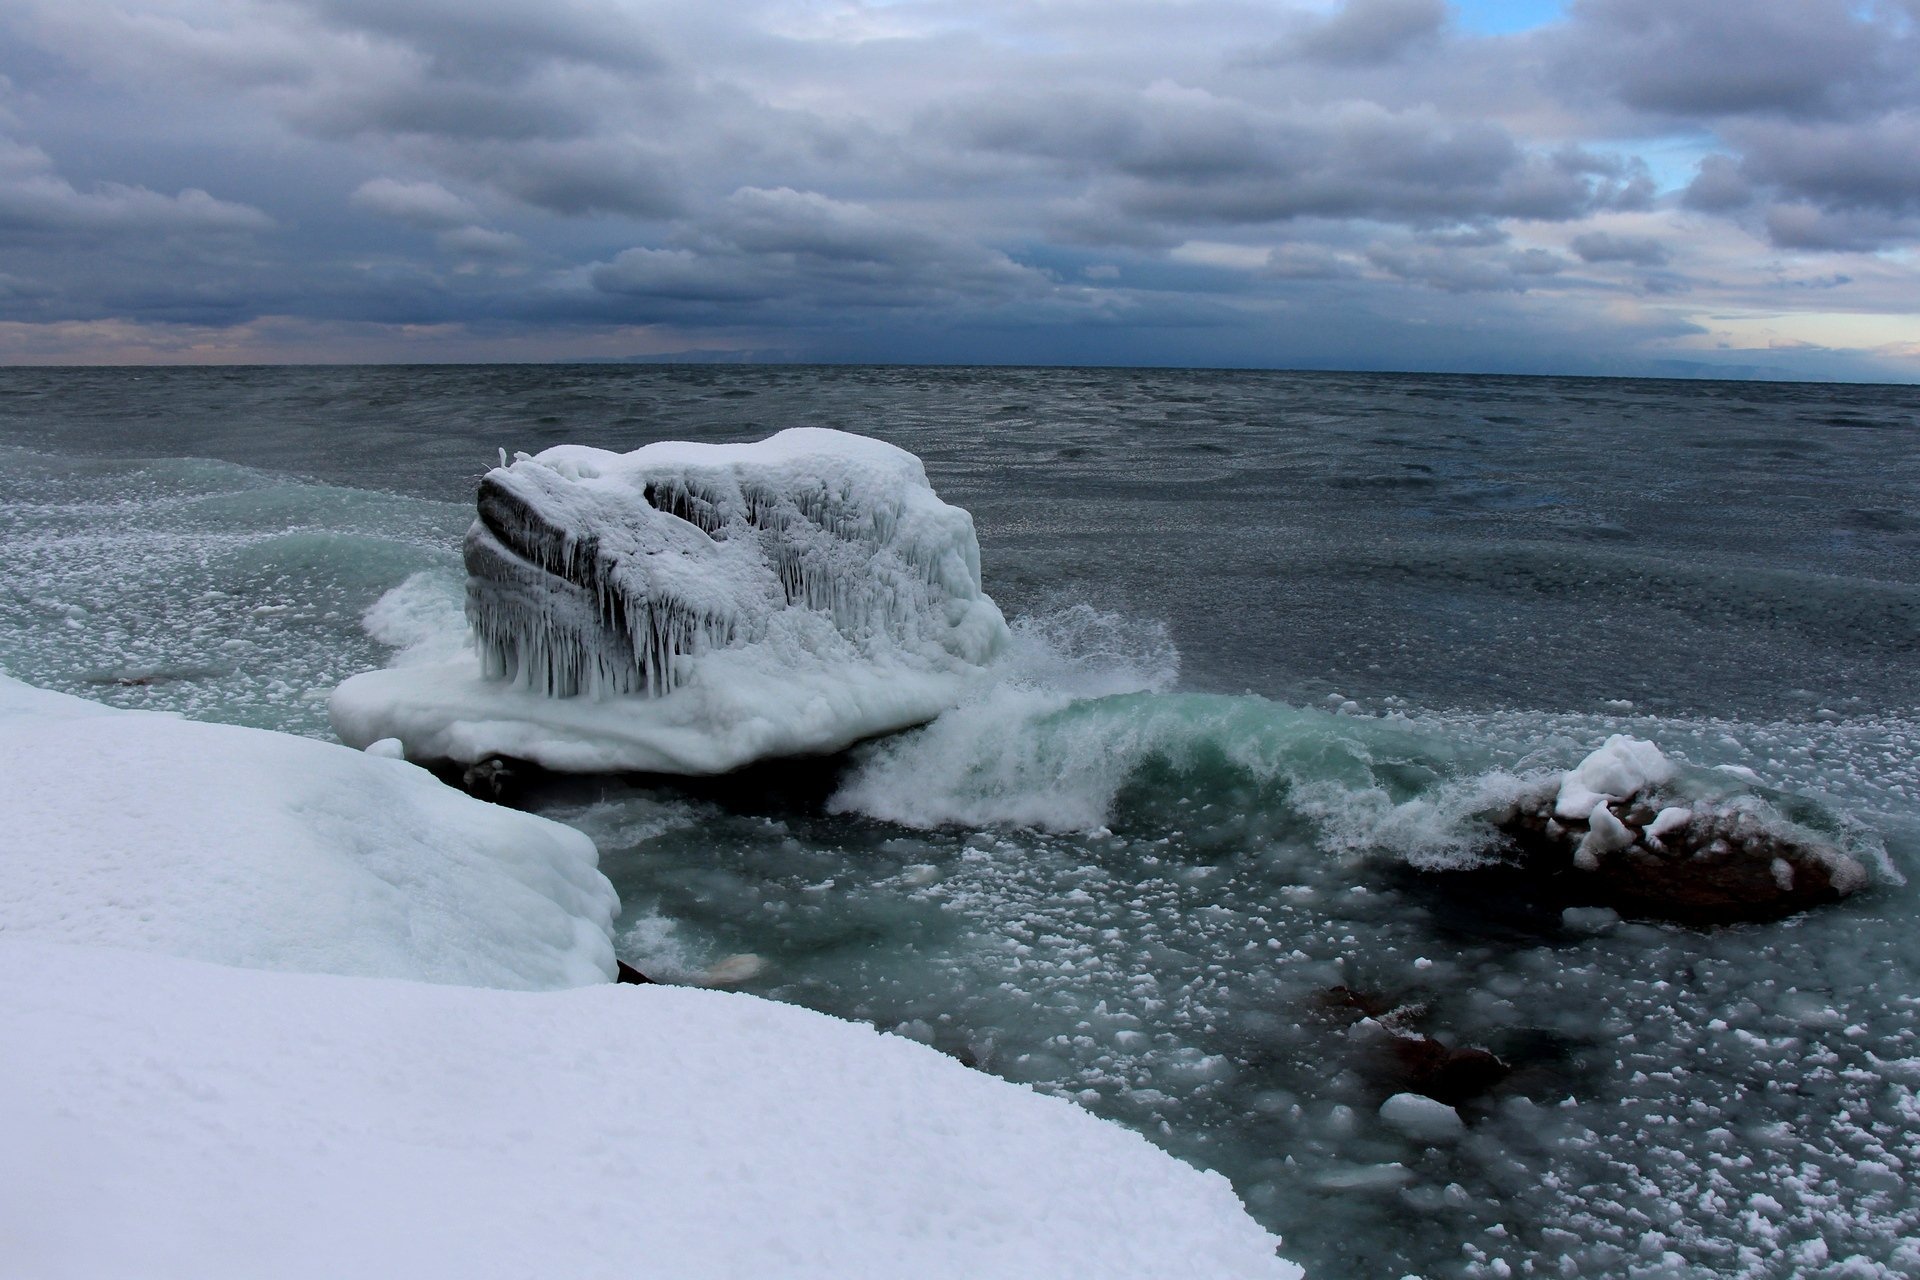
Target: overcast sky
point(1604, 186)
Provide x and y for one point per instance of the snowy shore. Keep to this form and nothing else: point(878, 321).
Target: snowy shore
point(386, 1112)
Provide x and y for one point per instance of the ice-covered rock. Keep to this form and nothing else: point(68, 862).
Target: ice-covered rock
point(140, 830)
point(175, 1120)
point(691, 608)
point(1620, 831)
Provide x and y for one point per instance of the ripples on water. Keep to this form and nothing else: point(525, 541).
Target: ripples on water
point(1276, 630)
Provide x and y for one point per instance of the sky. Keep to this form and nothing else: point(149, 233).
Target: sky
point(1632, 187)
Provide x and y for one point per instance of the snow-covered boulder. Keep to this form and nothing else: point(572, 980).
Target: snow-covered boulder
point(144, 831)
point(691, 608)
point(175, 1120)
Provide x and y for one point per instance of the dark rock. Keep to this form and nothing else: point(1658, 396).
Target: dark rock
point(1395, 1059)
point(1344, 1004)
point(1452, 1076)
point(627, 973)
point(495, 778)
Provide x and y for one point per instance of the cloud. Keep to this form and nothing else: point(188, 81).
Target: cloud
point(811, 252)
point(495, 37)
point(1705, 58)
point(1073, 180)
point(1718, 186)
point(36, 199)
point(1308, 262)
point(1872, 165)
point(1185, 157)
point(1457, 270)
point(1808, 226)
point(480, 242)
point(1605, 246)
point(1370, 31)
point(418, 204)
point(619, 175)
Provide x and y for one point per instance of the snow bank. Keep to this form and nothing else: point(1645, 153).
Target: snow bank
point(166, 1118)
point(138, 830)
point(690, 608)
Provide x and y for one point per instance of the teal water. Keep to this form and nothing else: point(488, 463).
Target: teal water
point(1277, 635)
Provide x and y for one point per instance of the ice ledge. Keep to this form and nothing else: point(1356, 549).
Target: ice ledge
point(449, 711)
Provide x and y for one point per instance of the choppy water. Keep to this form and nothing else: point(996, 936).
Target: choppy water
point(1274, 633)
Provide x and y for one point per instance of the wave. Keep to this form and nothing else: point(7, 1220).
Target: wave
point(1082, 731)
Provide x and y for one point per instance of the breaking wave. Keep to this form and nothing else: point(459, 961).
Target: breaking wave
point(1083, 732)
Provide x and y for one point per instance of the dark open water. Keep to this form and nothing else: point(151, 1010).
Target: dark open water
point(1276, 631)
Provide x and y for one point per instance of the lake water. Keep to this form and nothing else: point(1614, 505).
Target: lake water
point(1274, 632)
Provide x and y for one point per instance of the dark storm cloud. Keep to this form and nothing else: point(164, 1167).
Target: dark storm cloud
point(1077, 174)
point(1718, 186)
point(1604, 246)
point(1194, 158)
point(1870, 165)
point(815, 252)
point(1695, 58)
point(1808, 226)
point(1369, 31)
point(495, 37)
point(589, 176)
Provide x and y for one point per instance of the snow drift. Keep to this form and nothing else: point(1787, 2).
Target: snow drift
point(167, 1118)
point(690, 608)
point(139, 830)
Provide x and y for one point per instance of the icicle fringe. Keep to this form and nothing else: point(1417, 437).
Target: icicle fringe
point(602, 582)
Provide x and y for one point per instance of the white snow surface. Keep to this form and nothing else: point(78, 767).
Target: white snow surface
point(141, 830)
point(692, 608)
point(1619, 768)
point(167, 1118)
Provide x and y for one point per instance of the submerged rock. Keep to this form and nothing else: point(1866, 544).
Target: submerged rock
point(1612, 833)
point(1395, 1057)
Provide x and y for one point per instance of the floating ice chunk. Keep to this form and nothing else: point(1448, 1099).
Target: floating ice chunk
point(387, 749)
point(139, 830)
point(690, 608)
point(1621, 767)
point(731, 971)
point(1364, 1177)
point(1589, 919)
point(304, 1127)
point(1422, 1118)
